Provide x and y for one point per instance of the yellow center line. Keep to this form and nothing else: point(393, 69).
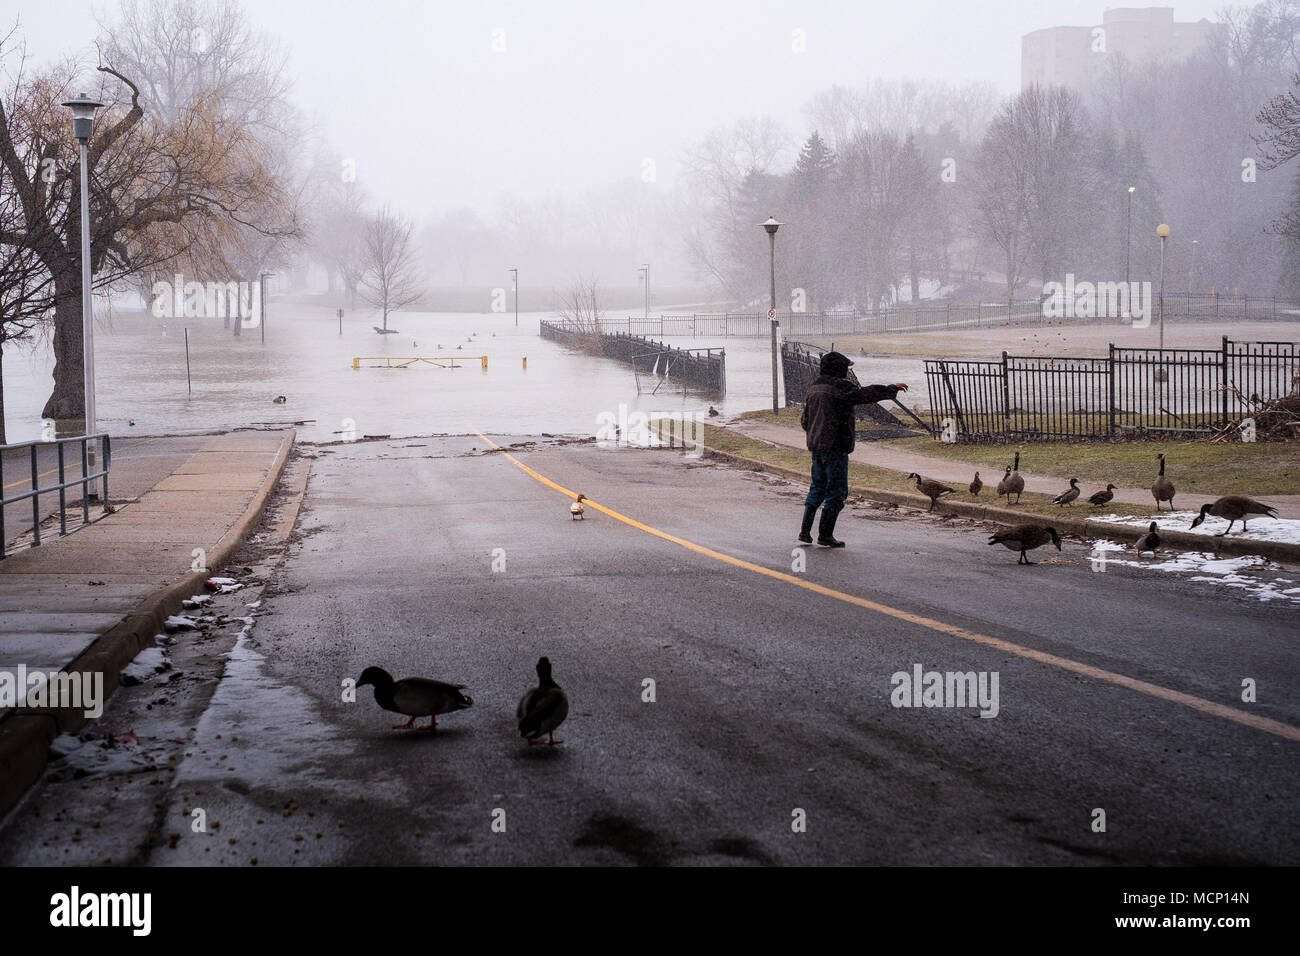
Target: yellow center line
point(26, 481)
point(1078, 667)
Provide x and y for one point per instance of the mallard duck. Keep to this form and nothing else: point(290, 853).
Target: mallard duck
point(1015, 481)
point(576, 509)
point(713, 412)
point(1101, 497)
point(1149, 541)
point(416, 696)
point(1234, 508)
point(279, 400)
point(1069, 494)
point(932, 489)
point(1162, 488)
point(543, 708)
point(1026, 537)
point(976, 485)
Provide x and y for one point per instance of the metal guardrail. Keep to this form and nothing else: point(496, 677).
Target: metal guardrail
point(64, 483)
point(406, 361)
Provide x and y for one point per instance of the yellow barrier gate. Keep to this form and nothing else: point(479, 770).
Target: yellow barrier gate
point(406, 361)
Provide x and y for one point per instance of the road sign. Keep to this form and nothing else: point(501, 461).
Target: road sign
point(771, 313)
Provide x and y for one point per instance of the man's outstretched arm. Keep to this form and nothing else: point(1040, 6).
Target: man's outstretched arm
point(875, 393)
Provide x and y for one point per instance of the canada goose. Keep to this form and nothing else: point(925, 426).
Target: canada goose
point(932, 489)
point(1069, 494)
point(1005, 483)
point(416, 696)
point(576, 509)
point(1016, 483)
point(1234, 508)
point(713, 412)
point(1026, 537)
point(1101, 497)
point(279, 400)
point(1162, 488)
point(976, 485)
point(1149, 541)
point(543, 708)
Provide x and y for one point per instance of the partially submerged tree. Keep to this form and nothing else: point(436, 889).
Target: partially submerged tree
point(581, 313)
point(392, 278)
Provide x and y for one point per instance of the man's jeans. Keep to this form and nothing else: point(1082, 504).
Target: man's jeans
point(830, 481)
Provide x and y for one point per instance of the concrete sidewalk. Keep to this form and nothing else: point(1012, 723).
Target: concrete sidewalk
point(90, 601)
point(960, 473)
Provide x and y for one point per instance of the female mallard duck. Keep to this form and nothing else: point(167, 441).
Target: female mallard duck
point(976, 485)
point(576, 509)
point(1026, 537)
point(1069, 494)
point(1101, 497)
point(934, 490)
point(1162, 488)
point(1015, 481)
point(415, 696)
point(543, 708)
point(1234, 508)
point(1149, 541)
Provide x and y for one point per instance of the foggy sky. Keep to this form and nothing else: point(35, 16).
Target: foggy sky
point(585, 91)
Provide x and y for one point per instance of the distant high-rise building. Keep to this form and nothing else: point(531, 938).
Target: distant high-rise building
point(1076, 56)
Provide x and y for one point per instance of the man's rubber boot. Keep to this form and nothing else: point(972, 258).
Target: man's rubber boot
point(805, 531)
point(826, 530)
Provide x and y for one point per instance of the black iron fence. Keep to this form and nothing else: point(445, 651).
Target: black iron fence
point(33, 473)
point(1169, 390)
point(800, 367)
point(702, 369)
point(948, 315)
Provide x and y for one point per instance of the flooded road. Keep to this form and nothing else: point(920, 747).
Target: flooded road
point(140, 375)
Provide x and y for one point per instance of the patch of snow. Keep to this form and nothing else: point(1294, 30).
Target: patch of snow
point(178, 622)
point(1247, 573)
point(150, 661)
point(197, 600)
point(1260, 528)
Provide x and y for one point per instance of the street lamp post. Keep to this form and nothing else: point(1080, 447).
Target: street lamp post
point(83, 126)
point(515, 281)
point(1191, 272)
point(1128, 242)
point(1163, 232)
point(645, 276)
point(772, 226)
point(261, 303)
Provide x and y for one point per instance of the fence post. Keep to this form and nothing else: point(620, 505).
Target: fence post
point(1006, 394)
point(1110, 375)
point(1224, 422)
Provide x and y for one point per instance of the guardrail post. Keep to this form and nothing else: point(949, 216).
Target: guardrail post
point(106, 455)
point(36, 498)
point(63, 496)
point(85, 470)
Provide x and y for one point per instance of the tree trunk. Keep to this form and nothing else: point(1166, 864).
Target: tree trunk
point(68, 400)
point(2, 396)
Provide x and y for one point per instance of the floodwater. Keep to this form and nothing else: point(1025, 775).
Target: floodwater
point(140, 375)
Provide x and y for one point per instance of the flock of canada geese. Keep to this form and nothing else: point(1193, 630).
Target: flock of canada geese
point(1026, 537)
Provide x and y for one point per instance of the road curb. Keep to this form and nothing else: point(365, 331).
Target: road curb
point(25, 738)
point(1084, 527)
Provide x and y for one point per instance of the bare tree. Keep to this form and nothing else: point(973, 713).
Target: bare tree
point(581, 312)
point(392, 277)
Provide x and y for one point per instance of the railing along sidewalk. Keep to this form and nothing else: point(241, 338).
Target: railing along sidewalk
point(35, 491)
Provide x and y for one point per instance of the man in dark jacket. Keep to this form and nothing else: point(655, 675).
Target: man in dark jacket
point(828, 420)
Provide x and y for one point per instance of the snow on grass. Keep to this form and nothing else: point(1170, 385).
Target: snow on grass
point(1259, 528)
point(1248, 573)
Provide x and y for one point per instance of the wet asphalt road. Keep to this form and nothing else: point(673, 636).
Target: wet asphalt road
point(772, 702)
